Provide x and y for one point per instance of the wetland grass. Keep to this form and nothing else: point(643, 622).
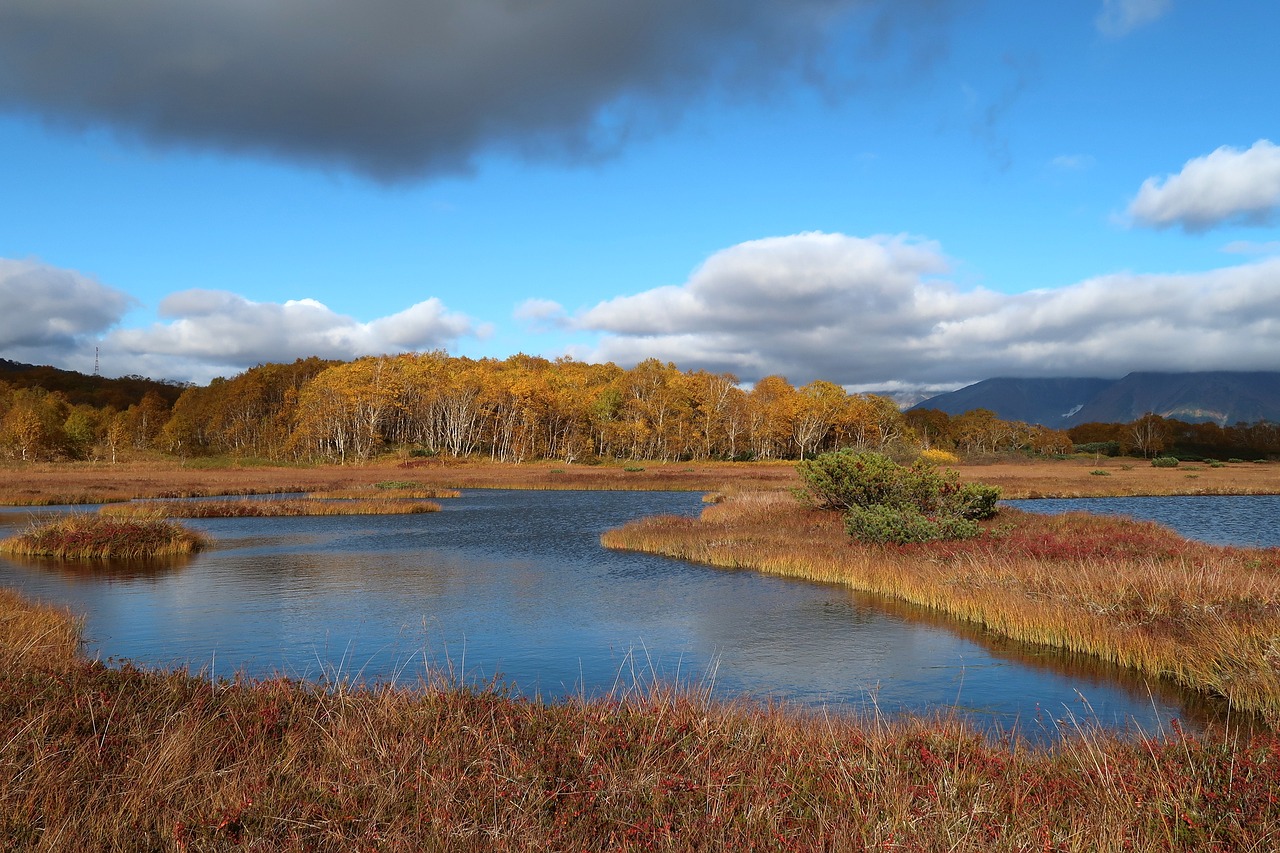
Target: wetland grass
point(1132, 593)
point(86, 536)
point(268, 508)
point(97, 757)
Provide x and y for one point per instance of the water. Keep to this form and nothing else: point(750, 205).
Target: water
point(514, 586)
point(1248, 520)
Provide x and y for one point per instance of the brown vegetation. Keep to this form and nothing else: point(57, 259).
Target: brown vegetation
point(84, 536)
point(267, 508)
point(1018, 477)
point(100, 758)
point(1129, 592)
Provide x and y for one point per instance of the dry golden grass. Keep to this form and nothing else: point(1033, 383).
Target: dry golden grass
point(1073, 478)
point(1128, 592)
point(267, 508)
point(84, 482)
point(84, 536)
point(101, 758)
point(77, 482)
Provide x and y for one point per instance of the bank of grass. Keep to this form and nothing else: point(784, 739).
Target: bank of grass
point(389, 489)
point(267, 508)
point(1128, 592)
point(117, 758)
point(85, 536)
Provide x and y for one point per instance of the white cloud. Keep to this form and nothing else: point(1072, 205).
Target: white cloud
point(541, 314)
point(1228, 185)
point(1121, 17)
point(874, 312)
point(211, 332)
point(1072, 162)
point(1250, 247)
point(47, 313)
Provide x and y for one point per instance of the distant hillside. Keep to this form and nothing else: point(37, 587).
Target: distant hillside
point(1220, 397)
point(97, 391)
point(1052, 402)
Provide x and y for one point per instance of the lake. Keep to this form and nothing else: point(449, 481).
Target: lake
point(514, 586)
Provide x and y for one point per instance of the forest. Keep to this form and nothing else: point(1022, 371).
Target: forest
point(525, 408)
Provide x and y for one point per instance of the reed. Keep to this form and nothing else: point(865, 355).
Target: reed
point(104, 758)
point(1132, 593)
point(267, 508)
point(410, 492)
point(85, 536)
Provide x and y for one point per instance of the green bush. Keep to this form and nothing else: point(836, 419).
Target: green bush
point(887, 502)
point(904, 525)
point(1164, 462)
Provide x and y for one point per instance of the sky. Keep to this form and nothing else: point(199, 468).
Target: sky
point(884, 194)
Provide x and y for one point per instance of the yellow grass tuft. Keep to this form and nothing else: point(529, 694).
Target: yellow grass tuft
point(83, 536)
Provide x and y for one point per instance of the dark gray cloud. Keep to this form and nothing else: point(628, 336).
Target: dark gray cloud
point(401, 88)
point(879, 312)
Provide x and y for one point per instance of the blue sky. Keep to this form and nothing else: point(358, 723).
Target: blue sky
point(886, 195)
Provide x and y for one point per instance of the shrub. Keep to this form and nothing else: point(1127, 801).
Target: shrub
point(1098, 472)
point(904, 525)
point(887, 502)
point(1164, 462)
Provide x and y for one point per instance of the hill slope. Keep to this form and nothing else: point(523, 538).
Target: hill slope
point(1221, 397)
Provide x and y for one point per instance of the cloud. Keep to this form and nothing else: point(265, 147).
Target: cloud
point(210, 332)
point(541, 314)
point(1226, 186)
point(397, 89)
point(877, 312)
point(49, 313)
point(1072, 162)
point(1121, 17)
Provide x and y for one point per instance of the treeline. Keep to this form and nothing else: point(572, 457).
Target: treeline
point(526, 408)
point(1152, 435)
point(516, 409)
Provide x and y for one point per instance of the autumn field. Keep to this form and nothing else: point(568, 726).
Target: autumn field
point(1018, 477)
point(115, 757)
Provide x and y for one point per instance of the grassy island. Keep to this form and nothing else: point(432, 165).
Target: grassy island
point(84, 536)
point(268, 508)
point(1130, 592)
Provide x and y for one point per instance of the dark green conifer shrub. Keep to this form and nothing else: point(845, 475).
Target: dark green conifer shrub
point(887, 502)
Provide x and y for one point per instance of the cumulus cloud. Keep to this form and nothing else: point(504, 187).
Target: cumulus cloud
point(49, 314)
point(1121, 17)
point(1226, 186)
point(879, 312)
point(211, 332)
point(401, 88)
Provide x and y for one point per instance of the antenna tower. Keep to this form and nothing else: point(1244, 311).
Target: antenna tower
point(95, 361)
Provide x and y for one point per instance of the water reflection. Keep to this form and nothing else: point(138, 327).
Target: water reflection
point(514, 585)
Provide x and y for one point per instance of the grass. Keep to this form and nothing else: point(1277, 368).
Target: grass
point(32, 484)
point(411, 491)
point(117, 758)
point(1128, 592)
point(267, 508)
point(84, 536)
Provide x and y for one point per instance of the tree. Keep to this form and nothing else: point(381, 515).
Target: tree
point(1150, 434)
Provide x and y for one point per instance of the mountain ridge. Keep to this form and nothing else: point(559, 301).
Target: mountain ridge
point(1218, 396)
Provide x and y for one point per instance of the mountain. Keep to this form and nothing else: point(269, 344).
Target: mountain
point(1052, 402)
point(1221, 397)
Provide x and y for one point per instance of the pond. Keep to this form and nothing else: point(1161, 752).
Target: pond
point(514, 586)
point(1248, 520)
